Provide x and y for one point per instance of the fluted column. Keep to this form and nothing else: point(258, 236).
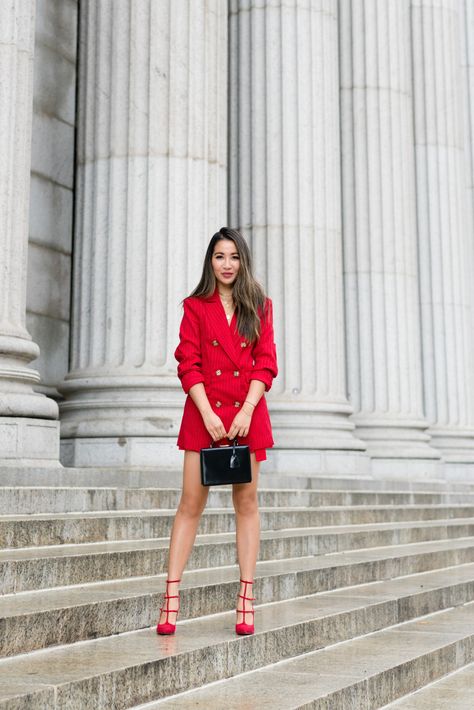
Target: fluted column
point(28, 433)
point(151, 191)
point(380, 238)
point(445, 242)
point(467, 75)
point(285, 196)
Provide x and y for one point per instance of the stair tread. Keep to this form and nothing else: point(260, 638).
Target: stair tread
point(318, 673)
point(228, 490)
point(15, 604)
point(51, 551)
point(341, 529)
point(58, 665)
point(11, 475)
point(163, 512)
point(454, 691)
point(106, 546)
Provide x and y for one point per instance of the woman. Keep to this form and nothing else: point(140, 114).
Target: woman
point(226, 361)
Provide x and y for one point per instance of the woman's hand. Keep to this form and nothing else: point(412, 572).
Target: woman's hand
point(214, 425)
point(241, 424)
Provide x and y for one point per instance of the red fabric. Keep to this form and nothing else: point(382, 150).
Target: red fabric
point(208, 345)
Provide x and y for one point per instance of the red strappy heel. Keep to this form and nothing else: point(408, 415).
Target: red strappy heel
point(244, 628)
point(168, 628)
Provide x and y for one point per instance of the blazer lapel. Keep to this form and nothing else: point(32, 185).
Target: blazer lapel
point(223, 332)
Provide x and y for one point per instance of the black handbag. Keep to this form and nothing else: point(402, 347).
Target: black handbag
point(225, 464)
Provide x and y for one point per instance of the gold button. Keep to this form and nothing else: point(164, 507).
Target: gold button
point(214, 342)
point(218, 404)
point(236, 404)
point(243, 345)
point(218, 372)
point(236, 373)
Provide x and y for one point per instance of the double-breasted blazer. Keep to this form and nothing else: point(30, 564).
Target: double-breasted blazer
point(213, 352)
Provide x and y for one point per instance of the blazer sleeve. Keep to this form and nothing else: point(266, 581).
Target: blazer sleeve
point(188, 352)
point(264, 350)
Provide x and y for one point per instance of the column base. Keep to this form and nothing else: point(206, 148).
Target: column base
point(412, 469)
point(314, 462)
point(26, 441)
point(455, 443)
point(459, 471)
point(157, 451)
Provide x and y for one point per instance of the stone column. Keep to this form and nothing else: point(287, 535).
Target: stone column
point(467, 75)
point(151, 191)
point(380, 239)
point(28, 432)
point(445, 242)
point(285, 196)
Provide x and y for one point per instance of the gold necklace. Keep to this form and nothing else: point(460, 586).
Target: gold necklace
point(226, 301)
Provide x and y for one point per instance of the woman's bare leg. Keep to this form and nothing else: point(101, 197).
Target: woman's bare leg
point(183, 533)
point(247, 520)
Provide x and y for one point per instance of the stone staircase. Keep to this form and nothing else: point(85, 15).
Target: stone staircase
point(365, 595)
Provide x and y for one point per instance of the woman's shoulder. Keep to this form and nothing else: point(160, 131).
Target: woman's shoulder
point(267, 307)
point(192, 302)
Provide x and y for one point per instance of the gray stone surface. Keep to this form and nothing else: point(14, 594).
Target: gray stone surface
point(336, 565)
point(375, 670)
point(29, 433)
point(386, 664)
point(51, 207)
point(455, 691)
point(28, 569)
point(80, 612)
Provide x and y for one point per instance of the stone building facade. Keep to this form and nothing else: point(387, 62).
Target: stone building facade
point(338, 135)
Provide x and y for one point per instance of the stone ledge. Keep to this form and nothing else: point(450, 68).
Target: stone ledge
point(25, 441)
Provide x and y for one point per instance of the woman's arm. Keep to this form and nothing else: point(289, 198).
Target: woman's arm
point(188, 352)
point(264, 350)
point(211, 420)
point(256, 390)
point(241, 424)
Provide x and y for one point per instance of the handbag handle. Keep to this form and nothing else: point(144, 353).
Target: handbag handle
point(234, 459)
point(234, 444)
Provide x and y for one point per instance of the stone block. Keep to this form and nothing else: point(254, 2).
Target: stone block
point(51, 208)
point(52, 336)
point(52, 150)
point(49, 282)
point(29, 441)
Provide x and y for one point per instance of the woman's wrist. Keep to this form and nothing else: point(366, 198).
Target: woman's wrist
point(248, 409)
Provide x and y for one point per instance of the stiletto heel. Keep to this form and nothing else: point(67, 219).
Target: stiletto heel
point(168, 628)
point(243, 628)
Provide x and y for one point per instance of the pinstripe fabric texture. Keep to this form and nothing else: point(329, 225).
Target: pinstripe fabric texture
point(213, 352)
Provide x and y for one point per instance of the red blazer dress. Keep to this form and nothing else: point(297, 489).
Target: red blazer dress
point(213, 352)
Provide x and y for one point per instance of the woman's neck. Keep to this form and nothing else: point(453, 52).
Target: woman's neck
point(223, 291)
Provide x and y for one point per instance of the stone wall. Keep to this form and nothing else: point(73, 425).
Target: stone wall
point(52, 176)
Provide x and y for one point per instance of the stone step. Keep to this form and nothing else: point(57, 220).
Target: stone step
point(41, 499)
point(36, 620)
point(27, 569)
point(126, 669)
point(455, 691)
point(40, 531)
point(44, 529)
point(41, 618)
point(143, 476)
point(366, 672)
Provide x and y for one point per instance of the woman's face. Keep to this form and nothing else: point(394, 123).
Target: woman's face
point(225, 262)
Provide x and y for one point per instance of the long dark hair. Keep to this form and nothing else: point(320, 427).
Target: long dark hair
point(249, 296)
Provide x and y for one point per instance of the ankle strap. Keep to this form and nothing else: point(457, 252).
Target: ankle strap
point(168, 581)
point(246, 581)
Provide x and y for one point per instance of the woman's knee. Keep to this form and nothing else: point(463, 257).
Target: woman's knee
point(246, 503)
point(191, 507)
